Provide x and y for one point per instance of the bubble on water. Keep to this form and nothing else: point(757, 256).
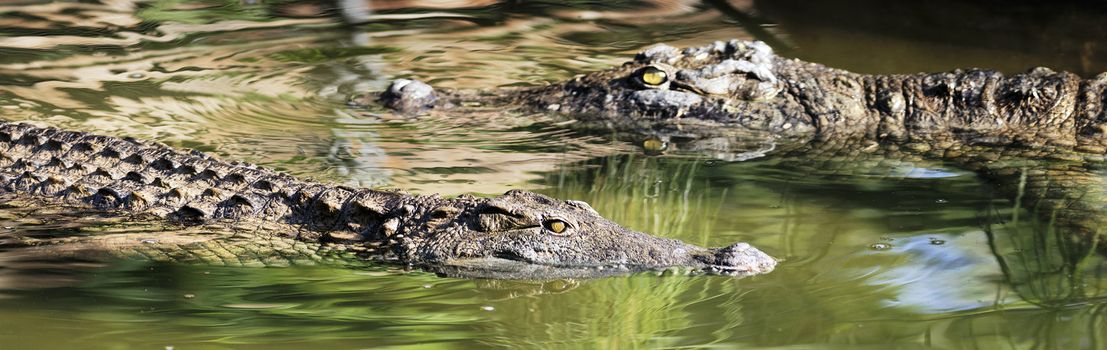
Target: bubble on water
point(137, 75)
point(880, 246)
point(936, 241)
point(941, 201)
point(487, 308)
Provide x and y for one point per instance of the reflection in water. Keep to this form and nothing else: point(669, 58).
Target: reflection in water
point(958, 262)
point(914, 36)
point(1046, 264)
point(271, 91)
point(936, 279)
point(266, 82)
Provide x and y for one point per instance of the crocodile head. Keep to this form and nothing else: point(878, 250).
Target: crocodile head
point(522, 234)
point(735, 85)
point(722, 82)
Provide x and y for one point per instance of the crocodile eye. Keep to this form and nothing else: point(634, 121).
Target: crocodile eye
point(654, 145)
point(653, 76)
point(556, 226)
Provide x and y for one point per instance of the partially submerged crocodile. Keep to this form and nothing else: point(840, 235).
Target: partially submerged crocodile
point(742, 86)
point(728, 93)
point(720, 90)
point(535, 235)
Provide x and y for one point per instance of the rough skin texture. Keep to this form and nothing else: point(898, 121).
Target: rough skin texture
point(135, 177)
point(1040, 135)
point(741, 86)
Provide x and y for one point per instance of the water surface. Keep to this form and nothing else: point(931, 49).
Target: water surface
point(877, 254)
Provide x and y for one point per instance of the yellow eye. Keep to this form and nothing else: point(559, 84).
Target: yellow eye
point(654, 76)
point(654, 145)
point(556, 226)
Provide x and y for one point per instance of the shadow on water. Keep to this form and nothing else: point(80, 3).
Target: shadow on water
point(818, 280)
point(1045, 263)
point(992, 271)
point(880, 252)
point(648, 196)
point(913, 36)
point(901, 260)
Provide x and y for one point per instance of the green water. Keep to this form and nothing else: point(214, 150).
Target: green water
point(881, 254)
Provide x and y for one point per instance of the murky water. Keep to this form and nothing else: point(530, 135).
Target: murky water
point(888, 254)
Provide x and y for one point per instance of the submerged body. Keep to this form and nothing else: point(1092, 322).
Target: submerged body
point(131, 177)
point(742, 87)
point(712, 92)
point(720, 97)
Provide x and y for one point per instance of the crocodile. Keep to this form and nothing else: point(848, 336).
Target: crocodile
point(1041, 135)
point(719, 91)
point(519, 234)
point(740, 87)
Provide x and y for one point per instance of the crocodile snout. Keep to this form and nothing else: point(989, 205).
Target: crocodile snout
point(740, 258)
point(409, 96)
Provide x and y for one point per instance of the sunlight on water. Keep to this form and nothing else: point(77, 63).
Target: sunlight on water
point(884, 253)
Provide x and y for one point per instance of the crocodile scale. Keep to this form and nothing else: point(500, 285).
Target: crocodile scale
point(129, 176)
